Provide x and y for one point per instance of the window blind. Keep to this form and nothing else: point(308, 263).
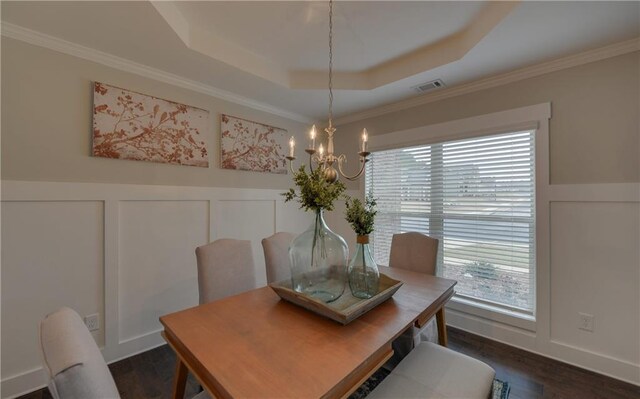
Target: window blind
point(477, 196)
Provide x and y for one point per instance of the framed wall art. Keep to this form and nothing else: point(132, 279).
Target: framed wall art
point(247, 145)
point(130, 125)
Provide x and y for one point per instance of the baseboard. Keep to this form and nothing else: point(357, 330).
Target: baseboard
point(530, 342)
point(23, 383)
point(35, 379)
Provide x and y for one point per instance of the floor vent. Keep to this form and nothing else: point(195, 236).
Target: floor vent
point(429, 86)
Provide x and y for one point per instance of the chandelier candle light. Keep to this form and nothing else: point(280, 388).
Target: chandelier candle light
point(327, 161)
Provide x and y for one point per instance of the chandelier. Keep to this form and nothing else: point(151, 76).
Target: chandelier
point(327, 161)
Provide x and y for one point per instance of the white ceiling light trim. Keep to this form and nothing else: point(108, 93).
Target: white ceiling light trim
point(570, 61)
point(63, 46)
point(432, 55)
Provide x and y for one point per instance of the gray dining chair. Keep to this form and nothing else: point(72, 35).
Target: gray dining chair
point(432, 371)
point(74, 365)
point(414, 251)
point(72, 360)
point(225, 268)
point(419, 253)
point(276, 256)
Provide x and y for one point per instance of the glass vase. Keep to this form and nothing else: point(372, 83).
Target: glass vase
point(364, 277)
point(319, 262)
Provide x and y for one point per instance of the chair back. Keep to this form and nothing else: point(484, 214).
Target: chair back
point(276, 256)
point(225, 268)
point(74, 365)
point(414, 251)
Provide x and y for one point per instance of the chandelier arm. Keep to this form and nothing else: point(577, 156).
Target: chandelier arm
point(291, 159)
point(342, 158)
point(325, 162)
point(311, 156)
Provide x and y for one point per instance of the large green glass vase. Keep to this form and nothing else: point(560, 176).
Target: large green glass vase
point(319, 262)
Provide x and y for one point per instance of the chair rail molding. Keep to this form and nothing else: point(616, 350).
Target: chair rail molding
point(36, 38)
point(135, 260)
point(571, 220)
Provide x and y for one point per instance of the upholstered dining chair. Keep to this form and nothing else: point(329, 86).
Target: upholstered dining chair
point(225, 268)
point(74, 365)
point(276, 256)
point(419, 253)
point(432, 371)
point(414, 251)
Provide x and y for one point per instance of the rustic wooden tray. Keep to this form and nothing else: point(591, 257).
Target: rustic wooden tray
point(344, 309)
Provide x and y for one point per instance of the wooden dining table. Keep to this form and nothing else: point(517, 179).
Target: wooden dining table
point(255, 345)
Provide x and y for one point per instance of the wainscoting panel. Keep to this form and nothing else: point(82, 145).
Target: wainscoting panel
point(592, 266)
point(595, 270)
point(123, 251)
point(258, 221)
point(52, 253)
point(157, 271)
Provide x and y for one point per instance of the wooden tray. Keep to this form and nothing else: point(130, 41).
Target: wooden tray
point(344, 309)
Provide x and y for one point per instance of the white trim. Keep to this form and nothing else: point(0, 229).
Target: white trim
point(527, 342)
point(504, 316)
point(524, 118)
point(63, 46)
point(525, 334)
point(570, 61)
point(53, 43)
point(533, 117)
point(23, 383)
point(113, 196)
point(608, 192)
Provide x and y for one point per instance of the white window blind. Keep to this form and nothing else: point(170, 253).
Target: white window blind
point(477, 196)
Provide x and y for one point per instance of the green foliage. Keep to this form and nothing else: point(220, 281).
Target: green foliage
point(361, 216)
point(316, 192)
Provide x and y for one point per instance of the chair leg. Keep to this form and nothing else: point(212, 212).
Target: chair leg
point(442, 327)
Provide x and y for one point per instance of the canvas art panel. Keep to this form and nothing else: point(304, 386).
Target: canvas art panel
point(130, 125)
point(247, 145)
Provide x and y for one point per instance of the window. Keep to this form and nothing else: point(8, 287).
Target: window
point(477, 196)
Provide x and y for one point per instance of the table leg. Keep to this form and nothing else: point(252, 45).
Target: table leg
point(442, 327)
point(180, 381)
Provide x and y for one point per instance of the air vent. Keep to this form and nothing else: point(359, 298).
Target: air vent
point(429, 86)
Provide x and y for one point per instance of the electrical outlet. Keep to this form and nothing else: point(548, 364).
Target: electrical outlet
point(585, 322)
point(92, 322)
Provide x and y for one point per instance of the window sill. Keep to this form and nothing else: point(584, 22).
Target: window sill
point(510, 317)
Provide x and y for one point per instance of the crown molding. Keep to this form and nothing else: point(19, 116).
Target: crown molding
point(432, 55)
point(63, 46)
point(570, 61)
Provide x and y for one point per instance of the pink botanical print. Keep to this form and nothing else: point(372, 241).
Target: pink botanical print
point(129, 125)
point(252, 146)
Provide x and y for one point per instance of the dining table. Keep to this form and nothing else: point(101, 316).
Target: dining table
point(255, 345)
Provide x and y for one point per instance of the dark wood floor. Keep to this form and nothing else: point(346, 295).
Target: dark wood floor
point(150, 374)
point(534, 376)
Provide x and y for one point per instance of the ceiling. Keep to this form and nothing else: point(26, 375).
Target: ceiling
point(277, 52)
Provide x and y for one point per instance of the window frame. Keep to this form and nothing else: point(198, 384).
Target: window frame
point(534, 118)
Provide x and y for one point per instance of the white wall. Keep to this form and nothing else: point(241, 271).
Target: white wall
point(123, 251)
point(587, 257)
point(46, 125)
point(593, 267)
point(112, 237)
point(592, 228)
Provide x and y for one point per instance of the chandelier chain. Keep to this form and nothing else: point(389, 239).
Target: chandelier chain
point(330, 62)
point(328, 162)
